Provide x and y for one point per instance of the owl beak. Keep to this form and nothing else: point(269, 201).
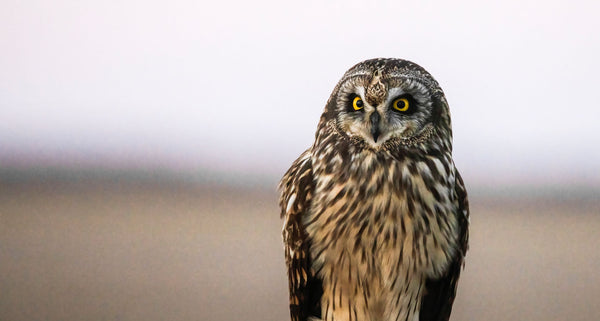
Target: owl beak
point(374, 118)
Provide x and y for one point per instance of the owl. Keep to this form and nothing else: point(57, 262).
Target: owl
point(375, 212)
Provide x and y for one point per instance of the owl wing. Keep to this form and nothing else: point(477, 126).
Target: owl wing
point(440, 293)
point(296, 189)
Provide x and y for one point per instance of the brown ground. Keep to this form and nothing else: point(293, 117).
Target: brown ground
point(134, 251)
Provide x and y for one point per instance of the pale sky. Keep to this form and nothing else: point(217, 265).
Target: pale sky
point(238, 86)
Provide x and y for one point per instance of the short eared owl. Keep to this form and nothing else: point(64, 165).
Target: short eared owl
point(376, 214)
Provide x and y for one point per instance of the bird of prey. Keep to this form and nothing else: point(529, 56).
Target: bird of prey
point(375, 212)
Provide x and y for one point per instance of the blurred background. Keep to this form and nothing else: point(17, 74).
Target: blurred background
point(141, 143)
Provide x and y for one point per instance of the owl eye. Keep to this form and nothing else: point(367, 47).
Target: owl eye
point(401, 104)
point(357, 103)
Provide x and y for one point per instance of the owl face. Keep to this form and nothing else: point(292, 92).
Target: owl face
point(384, 99)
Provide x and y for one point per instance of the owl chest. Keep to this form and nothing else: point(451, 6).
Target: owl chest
point(381, 219)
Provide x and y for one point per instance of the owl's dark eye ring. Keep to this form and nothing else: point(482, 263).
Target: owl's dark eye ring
point(357, 103)
point(403, 104)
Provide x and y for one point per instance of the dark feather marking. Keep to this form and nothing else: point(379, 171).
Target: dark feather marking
point(411, 206)
point(446, 164)
point(363, 257)
point(334, 280)
point(377, 214)
point(416, 250)
point(393, 285)
point(374, 248)
point(358, 242)
point(329, 185)
point(425, 252)
point(433, 169)
point(415, 306)
point(344, 207)
point(341, 194)
point(436, 194)
point(412, 167)
point(353, 206)
point(365, 297)
point(401, 255)
point(386, 235)
point(426, 223)
point(410, 303)
point(318, 253)
point(340, 260)
point(398, 315)
point(369, 211)
point(427, 179)
point(403, 226)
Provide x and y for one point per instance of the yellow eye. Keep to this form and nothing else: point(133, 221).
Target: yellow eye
point(357, 103)
point(401, 104)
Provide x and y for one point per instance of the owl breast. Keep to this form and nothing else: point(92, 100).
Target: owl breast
point(379, 227)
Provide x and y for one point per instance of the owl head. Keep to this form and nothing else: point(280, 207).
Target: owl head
point(382, 102)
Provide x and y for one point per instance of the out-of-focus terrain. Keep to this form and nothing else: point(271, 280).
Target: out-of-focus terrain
point(147, 250)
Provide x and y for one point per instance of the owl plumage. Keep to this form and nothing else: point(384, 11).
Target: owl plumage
point(376, 214)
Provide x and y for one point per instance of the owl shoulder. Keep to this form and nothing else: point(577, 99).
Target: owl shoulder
point(296, 186)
